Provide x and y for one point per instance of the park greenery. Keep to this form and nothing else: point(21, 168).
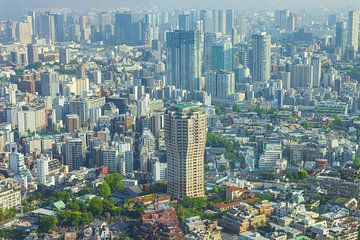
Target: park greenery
point(7, 214)
point(79, 212)
point(214, 140)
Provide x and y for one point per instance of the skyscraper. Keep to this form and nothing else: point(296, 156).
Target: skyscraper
point(209, 40)
point(316, 63)
point(49, 83)
point(353, 30)
point(33, 53)
point(184, 59)
point(229, 21)
point(222, 56)
point(74, 154)
point(123, 27)
point(184, 22)
point(185, 139)
point(24, 31)
point(220, 84)
point(261, 60)
point(59, 25)
point(340, 35)
point(64, 56)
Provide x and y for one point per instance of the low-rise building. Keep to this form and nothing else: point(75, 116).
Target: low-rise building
point(10, 195)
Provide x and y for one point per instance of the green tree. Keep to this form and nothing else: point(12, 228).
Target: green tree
point(115, 181)
point(47, 223)
point(96, 206)
point(236, 107)
point(302, 174)
point(104, 189)
point(356, 163)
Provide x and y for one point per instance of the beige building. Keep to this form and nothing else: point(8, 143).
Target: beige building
point(10, 196)
point(185, 139)
point(72, 122)
point(24, 31)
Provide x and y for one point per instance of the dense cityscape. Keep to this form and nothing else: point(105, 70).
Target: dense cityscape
point(196, 124)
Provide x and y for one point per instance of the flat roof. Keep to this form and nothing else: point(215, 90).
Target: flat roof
point(185, 105)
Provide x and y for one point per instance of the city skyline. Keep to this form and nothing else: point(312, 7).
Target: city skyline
point(17, 8)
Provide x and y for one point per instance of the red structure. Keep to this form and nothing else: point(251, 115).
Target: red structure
point(160, 222)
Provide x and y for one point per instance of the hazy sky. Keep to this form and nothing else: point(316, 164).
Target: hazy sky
point(16, 7)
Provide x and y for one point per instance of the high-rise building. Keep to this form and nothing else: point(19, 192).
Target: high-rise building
point(33, 53)
point(81, 71)
point(12, 93)
point(74, 154)
point(59, 25)
point(261, 60)
point(220, 84)
point(184, 22)
point(331, 21)
point(85, 108)
point(222, 56)
point(123, 24)
point(64, 56)
point(340, 35)
point(24, 31)
point(110, 158)
point(184, 59)
point(281, 17)
point(42, 168)
point(209, 40)
point(16, 161)
point(49, 83)
point(316, 63)
point(229, 21)
point(301, 75)
point(72, 123)
point(353, 30)
point(185, 139)
point(291, 23)
point(31, 119)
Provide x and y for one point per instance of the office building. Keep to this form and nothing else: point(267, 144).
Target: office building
point(222, 56)
point(209, 40)
point(340, 35)
point(72, 123)
point(110, 158)
point(49, 83)
point(74, 153)
point(33, 53)
point(64, 56)
point(88, 109)
point(123, 28)
point(184, 59)
point(301, 75)
point(185, 139)
point(220, 84)
point(353, 30)
point(184, 22)
point(316, 63)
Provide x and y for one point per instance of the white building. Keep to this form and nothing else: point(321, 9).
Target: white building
point(16, 161)
point(271, 156)
point(159, 170)
point(42, 168)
